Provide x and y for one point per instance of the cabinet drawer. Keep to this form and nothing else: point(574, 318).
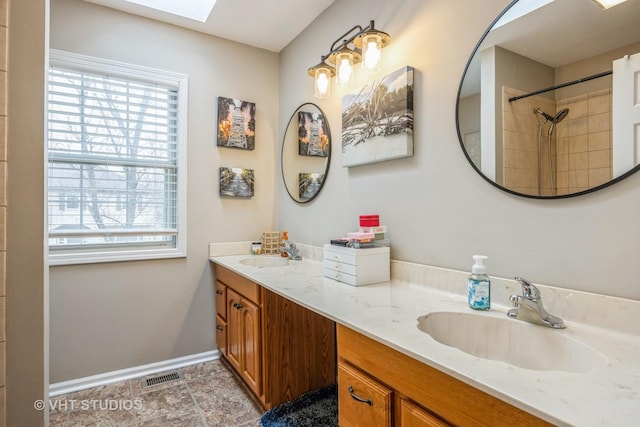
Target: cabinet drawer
point(221, 299)
point(412, 415)
point(221, 334)
point(240, 284)
point(349, 279)
point(339, 257)
point(340, 267)
point(362, 401)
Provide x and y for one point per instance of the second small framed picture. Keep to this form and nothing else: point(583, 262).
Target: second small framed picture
point(236, 182)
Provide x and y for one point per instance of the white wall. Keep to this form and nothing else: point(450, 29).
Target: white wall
point(437, 209)
point(106, 317)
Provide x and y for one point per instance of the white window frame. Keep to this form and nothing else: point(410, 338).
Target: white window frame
point(87, 255)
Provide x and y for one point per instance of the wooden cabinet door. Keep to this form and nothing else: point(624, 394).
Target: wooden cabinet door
point(412, 415)
point(234, 329)
point(221, 334)
point(362, 401)
point(221, 299)
point(250, 365)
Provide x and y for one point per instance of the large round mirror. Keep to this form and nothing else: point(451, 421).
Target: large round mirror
point(306, 151)
point(548, 106)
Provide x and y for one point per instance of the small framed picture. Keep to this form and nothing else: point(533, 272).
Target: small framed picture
point(236, 123)
point(309, 184)
point(236, 182)
point(313, 134)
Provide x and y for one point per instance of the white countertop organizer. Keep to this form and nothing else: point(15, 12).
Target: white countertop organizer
point(357, 267)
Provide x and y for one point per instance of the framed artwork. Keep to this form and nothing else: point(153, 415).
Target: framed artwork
point(236, 182)
point(377, 120)
point(236, 123)
point(309, 184)
point(313, 134)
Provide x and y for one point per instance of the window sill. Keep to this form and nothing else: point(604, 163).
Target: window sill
point(56, 259)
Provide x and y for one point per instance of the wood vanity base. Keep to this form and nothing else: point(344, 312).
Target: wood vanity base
point(405, 392)
point(279, 348)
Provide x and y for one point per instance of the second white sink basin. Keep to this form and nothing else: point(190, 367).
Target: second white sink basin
point(512, 341)
point(265, 261)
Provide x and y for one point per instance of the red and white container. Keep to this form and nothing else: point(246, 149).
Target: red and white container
point(369, 220)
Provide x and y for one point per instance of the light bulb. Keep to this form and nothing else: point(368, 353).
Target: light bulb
point(371, 52)
point(345, 71)
point(322, 85)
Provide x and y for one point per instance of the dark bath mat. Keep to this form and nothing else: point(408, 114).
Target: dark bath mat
point(313, 409)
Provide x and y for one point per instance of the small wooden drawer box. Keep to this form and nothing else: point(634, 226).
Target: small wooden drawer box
point(357, 267)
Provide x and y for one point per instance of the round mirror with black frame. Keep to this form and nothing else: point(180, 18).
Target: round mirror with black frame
point(306, 153)
point(545, 107)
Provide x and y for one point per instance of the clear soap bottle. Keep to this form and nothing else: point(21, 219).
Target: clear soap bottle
point(479, 292)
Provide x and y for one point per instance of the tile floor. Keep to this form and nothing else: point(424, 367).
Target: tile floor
point(208, 395)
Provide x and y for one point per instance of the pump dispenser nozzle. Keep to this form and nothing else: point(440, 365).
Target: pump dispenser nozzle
point(479, 267)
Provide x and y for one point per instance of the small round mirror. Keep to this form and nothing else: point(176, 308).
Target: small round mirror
point(306, 151)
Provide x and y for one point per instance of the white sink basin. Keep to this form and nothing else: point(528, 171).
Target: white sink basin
point(265, 261)
point(512, 341)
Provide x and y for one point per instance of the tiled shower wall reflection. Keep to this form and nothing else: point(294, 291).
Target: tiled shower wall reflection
point(520, 143)
point(584, 144)
point(582, 157)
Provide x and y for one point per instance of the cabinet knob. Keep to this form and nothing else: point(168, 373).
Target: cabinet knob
point(237, 305)
point(219, 292)
point(359, 399)
point(220, 328)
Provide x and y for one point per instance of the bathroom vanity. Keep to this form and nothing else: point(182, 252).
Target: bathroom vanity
point(385, 353)
point(256, 333)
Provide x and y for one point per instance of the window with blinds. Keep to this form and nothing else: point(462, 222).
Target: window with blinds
point(114, 166)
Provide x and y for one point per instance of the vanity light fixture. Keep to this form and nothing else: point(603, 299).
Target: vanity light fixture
point(356, 45)
point(606, 4)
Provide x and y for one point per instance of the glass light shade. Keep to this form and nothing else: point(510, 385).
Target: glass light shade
point(344, 68)
point(371, 52)
point(322, 82)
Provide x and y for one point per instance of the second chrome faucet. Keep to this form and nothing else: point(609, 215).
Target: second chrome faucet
point(528, 307)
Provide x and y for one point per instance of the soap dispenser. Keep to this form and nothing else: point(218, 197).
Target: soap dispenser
point(479, 292)
point(283, 244)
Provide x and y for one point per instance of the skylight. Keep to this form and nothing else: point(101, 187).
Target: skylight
point(197, 10)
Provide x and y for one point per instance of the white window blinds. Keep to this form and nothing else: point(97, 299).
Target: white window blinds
point(113, 162)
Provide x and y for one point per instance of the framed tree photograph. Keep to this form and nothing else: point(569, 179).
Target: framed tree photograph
point(313, 134)
point(236, 182)
point(236, 123)
point(377, 120)
point(309, 184)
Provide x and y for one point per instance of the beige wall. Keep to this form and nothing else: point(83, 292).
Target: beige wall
point(111, 316)
point(437, 209)
point(4, 23)
point(26, 276)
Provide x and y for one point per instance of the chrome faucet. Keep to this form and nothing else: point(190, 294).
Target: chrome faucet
point(291, 249)
point(529, 308)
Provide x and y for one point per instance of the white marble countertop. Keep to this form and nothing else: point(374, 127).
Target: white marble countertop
point(607, 395)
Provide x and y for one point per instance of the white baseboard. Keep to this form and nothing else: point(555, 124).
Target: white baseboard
point(134, 372)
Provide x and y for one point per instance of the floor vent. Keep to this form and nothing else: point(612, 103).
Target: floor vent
point(160, 379)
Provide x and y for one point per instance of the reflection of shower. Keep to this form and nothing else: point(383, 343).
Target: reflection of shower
point(554, 120)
